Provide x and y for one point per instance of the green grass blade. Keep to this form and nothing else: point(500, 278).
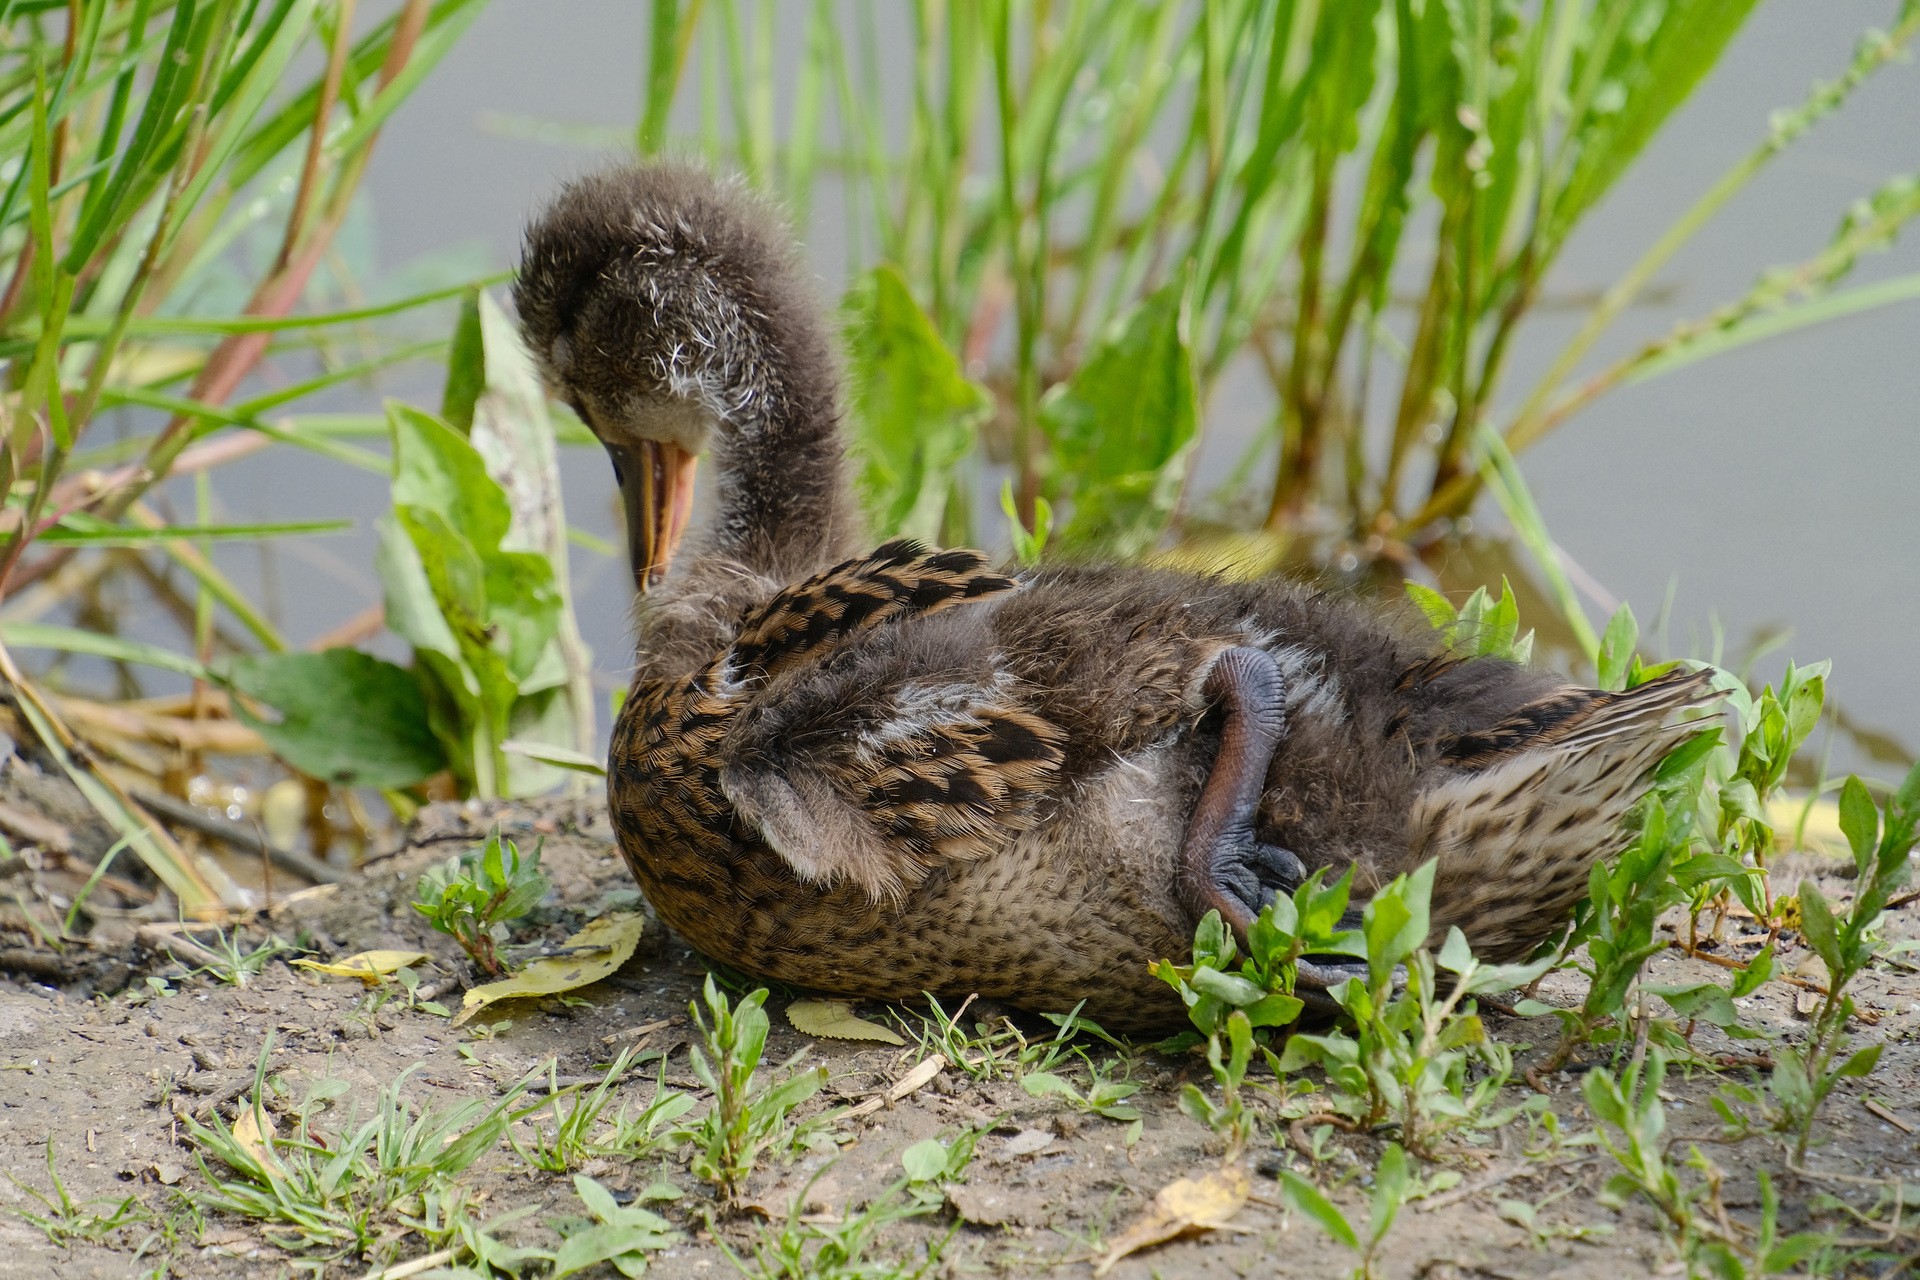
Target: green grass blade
point(94, 644)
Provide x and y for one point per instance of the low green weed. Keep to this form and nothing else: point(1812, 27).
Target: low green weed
point(748, 1115)
point(1413, 1056)
point(1804, 1075)
point(473, 897)
point(237, 964)
point(1692, 1213)
point(844, 1250)
point(612, 1232)
point(1102, 1096)
point(1525, 1214)
point(931, 1163)
point(1229, 997)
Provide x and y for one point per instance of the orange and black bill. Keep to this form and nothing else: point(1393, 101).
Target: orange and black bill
point(656, 488)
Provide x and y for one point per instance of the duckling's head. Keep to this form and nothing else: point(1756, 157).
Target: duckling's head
point(669, 309)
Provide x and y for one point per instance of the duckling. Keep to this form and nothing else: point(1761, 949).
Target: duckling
point(904, 770)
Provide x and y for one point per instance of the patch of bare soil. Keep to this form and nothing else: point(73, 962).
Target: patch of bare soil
point(111, 1081)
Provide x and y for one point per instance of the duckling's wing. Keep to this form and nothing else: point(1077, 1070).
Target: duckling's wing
point(925, 774)
point(807, 621)
point(1526, 806)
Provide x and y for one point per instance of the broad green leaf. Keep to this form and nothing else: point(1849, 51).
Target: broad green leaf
point(914, 410)
point(343, 716)
point(1121, 427)
point(926, 1160)
point(437, 469)
point(1817, 927)
point(1437, 608)
point(1390, 1179)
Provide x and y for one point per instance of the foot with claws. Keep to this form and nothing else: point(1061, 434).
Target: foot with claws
point(1224, 866)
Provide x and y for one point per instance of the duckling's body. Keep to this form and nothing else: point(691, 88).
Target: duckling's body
point(901, 771)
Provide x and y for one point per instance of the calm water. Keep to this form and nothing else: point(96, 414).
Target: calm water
point(1772, 489)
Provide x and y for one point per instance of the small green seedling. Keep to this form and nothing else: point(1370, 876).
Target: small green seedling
point(1102, 1097)
point(748, 1115)
point(472, 898)
point(620, 1234)
point(930, 1164)
point(1393, 1185)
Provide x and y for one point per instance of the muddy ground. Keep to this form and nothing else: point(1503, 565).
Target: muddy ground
point(111, 1080)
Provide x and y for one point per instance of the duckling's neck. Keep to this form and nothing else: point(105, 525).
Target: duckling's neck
point(782, 510)
point(782, 505)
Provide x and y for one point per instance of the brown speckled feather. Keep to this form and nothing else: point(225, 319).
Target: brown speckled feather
point(901, 577)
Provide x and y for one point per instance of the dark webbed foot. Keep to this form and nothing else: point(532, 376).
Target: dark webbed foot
point(1255, 873)
point(1224, 866)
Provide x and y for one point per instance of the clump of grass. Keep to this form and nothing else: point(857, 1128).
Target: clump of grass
point(579, 1133)
point(340, 1190)
point(473, 897)
point(65, 1221)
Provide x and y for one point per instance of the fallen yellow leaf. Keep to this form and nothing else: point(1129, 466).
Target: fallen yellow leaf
point(834, 1020)
point(1205, 1203)
point(592, 954)
point(258, 1143)
point(368, 966)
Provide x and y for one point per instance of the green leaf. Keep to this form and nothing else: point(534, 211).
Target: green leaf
point(1390, 1180)
point(1396, 922)
point(914, 411)
point(1121, 427)
point(437, 469)
point(1758, 972)
point(1861, 1064)
point(927, 1160)
point(344, 716)
point(1859, 822)
point(89, 532)
point(1437, 608)
point(1817, 927)
point(1306, 1198)
point(1616, 648)
point(1227, 988)
point(1705, 1001)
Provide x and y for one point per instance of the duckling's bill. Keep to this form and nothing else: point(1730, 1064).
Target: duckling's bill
point(656, 489)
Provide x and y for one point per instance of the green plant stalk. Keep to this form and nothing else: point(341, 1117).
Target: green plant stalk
point(1534, 418)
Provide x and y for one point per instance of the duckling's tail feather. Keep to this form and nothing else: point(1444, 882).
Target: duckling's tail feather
point(1531, 804)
